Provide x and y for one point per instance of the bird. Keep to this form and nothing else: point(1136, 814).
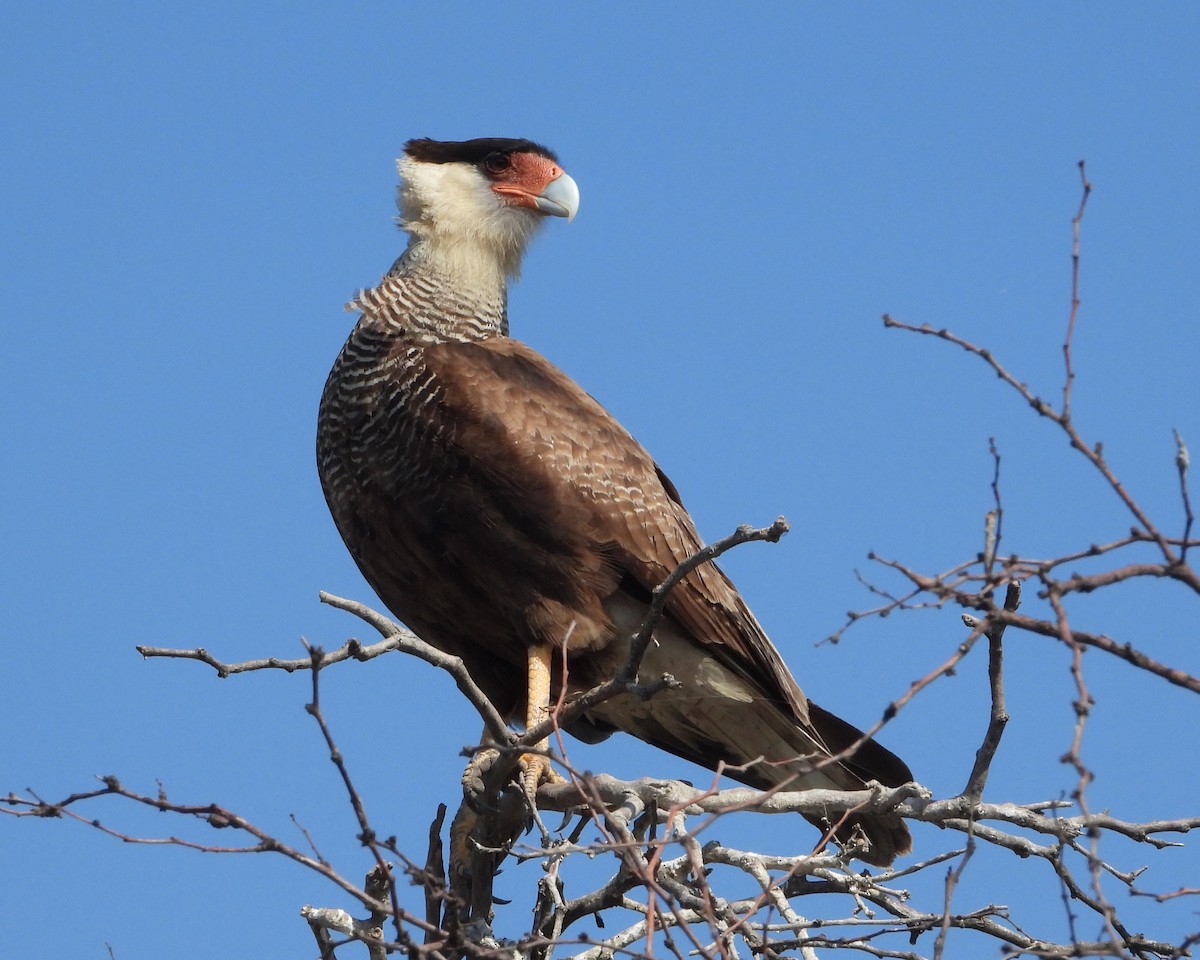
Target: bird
point(509, 520)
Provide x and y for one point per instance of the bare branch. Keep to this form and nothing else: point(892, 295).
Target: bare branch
point(1093, 454)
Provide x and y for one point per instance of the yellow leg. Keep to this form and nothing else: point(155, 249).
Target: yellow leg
point(538, 705)
point(537, 766)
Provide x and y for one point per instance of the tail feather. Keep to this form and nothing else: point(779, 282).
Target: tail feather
point(887, 835)
point(780, 735)
point(715, 716)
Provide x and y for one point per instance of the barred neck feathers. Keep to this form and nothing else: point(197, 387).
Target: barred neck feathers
point(422, 300)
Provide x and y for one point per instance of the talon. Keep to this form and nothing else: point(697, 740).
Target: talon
point(536, 769)
point(474, 780)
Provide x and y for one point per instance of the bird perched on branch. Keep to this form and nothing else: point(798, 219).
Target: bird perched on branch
point(503, 514)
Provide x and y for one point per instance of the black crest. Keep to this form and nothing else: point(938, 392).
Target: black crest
point(471, 151)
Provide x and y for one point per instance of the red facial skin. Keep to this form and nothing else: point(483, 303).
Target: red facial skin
point(526, 176)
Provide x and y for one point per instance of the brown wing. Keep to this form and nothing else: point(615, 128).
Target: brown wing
point(512, 404)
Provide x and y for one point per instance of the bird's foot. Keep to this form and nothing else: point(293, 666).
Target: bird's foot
point(536, 769)
point(478, 782)
point(475, 780)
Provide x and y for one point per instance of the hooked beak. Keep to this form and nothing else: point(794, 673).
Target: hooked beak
point(560, 198)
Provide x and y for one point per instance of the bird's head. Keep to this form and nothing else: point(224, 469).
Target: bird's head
point(476, 203)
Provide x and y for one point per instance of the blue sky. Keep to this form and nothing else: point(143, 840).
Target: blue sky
point(191, 192)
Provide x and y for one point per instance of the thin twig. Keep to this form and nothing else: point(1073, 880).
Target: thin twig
point(1182, 460)
point(999, 714)
point(1069, 379)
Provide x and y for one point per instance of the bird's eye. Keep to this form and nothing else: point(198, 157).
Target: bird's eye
point(496, 162)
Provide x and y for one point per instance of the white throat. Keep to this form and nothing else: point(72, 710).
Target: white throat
point(459, 227)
